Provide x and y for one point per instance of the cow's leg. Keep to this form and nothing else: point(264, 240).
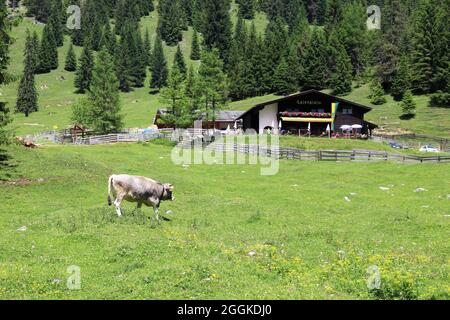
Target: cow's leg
point(156, 212)
point(117, 204)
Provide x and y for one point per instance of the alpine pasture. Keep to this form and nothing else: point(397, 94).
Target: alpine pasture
point(315, 230)
point(233, 234)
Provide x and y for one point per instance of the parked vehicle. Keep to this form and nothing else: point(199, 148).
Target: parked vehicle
point(395, 145)
point(429, 149)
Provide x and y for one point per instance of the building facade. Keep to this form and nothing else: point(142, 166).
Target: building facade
point(310, 112)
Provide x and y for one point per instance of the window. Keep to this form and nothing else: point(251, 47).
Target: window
point(347, 111)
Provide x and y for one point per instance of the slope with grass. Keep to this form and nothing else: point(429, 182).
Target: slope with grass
point(139, 106)
point(290, 236)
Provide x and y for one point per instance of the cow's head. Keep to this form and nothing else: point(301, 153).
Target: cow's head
point(168, 192)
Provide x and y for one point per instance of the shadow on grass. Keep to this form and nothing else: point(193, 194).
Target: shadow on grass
point(6, 167)
point(407, 116)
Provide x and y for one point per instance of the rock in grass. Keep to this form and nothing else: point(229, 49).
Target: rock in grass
point(418, 190)
point(22, 229)
point(384, 189)
point(252, 253)
point(347, 199)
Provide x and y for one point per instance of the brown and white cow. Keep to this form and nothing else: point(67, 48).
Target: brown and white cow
point(138, 189)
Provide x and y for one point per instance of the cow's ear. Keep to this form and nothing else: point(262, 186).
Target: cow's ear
point(169, 187)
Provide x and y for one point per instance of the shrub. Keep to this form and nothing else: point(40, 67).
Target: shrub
point(440, 100)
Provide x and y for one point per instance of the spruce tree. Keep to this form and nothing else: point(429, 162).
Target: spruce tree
point(36, 48)
point(173, 95)
point(282, 82)
point(213, 83)
point(217, 28)
point(236, 73)
point(408, 104)
point(147, 48)
point(108, 40)
point(104, 96)
point(48, 53)
point(179, 62)
point(124, 63)
point(56, 20)
point(402, 79)
point(159, 66)
point(425, 55)
point(5, 40)
point(71, 60)
point(377, 93)
point(195, 53)
point(172, 21)
point(246, 8)
point(316, 62)
point(27, 94)
point(341, 79)
point(274, 48)
point(83, 75)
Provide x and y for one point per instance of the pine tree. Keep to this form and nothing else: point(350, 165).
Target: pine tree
point(5, 40)
point(36, 48)
point(341, 79)
point(402, 79)
point(408, 104)
point(174, 96)
point(316, 62)
point(56, 21)
point(147, 48)
point(104, 96)
point(83, 75)
point(159, 66)
point(199, 15)
point(138, 59)
point(246, 8)
point(172, 21)
point(217, 28)
point(27, 94)
point(108, 40)
point(40, 9)
point(236, 73)
point(71, 60)
point(283, 83)
point(179, 62)
point(48, 53)
point(213, 83)
point(427, 54)
point(274, 48)
point(195, 53)
point(124, 66)
point(377, 93)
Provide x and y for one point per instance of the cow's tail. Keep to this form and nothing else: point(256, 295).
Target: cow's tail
point(110, 182)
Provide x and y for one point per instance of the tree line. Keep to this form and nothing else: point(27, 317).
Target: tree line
point(306, 44)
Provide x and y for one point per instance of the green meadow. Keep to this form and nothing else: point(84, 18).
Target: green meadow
point(233, 234)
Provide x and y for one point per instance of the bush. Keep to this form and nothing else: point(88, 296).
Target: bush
point(440, 100)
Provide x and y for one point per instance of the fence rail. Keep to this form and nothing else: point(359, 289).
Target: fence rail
point(325, 155)
point(122, 137)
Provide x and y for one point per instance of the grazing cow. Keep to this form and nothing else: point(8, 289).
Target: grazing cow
point(138, 189)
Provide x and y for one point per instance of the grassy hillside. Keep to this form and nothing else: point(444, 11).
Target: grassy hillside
point(139, 107)
point(247, 236)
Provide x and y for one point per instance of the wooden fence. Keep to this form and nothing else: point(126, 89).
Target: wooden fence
point(121, 137)
point(325, 155)
point(414, 141)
